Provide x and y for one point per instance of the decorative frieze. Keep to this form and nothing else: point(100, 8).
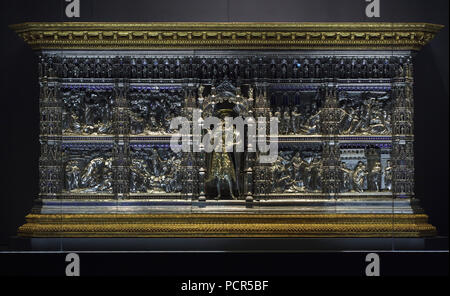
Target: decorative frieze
point(236, 68)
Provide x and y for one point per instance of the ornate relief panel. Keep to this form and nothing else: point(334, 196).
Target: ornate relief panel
point(342, 94)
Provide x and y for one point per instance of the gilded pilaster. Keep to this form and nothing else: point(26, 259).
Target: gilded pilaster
point(402, 134)
point(262, 173)
point(121, 147)
point(50, 160)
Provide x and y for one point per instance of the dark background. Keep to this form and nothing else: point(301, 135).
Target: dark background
point(19, 82)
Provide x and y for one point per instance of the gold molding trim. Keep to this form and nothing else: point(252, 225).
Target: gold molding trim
point(284, 36)
point(227, 225)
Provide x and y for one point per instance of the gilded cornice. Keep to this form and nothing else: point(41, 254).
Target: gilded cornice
point(284, 36)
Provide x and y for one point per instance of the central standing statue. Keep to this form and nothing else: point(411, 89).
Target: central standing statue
point(222, 169)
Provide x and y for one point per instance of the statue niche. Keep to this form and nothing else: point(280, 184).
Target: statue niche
point(224, 170)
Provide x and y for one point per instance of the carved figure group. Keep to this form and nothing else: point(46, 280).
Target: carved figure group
point(87, 112)
point(294, 173)
point(152, 112)
point(369, 117)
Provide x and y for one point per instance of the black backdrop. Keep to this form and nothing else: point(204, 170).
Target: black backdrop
point(19, 82)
